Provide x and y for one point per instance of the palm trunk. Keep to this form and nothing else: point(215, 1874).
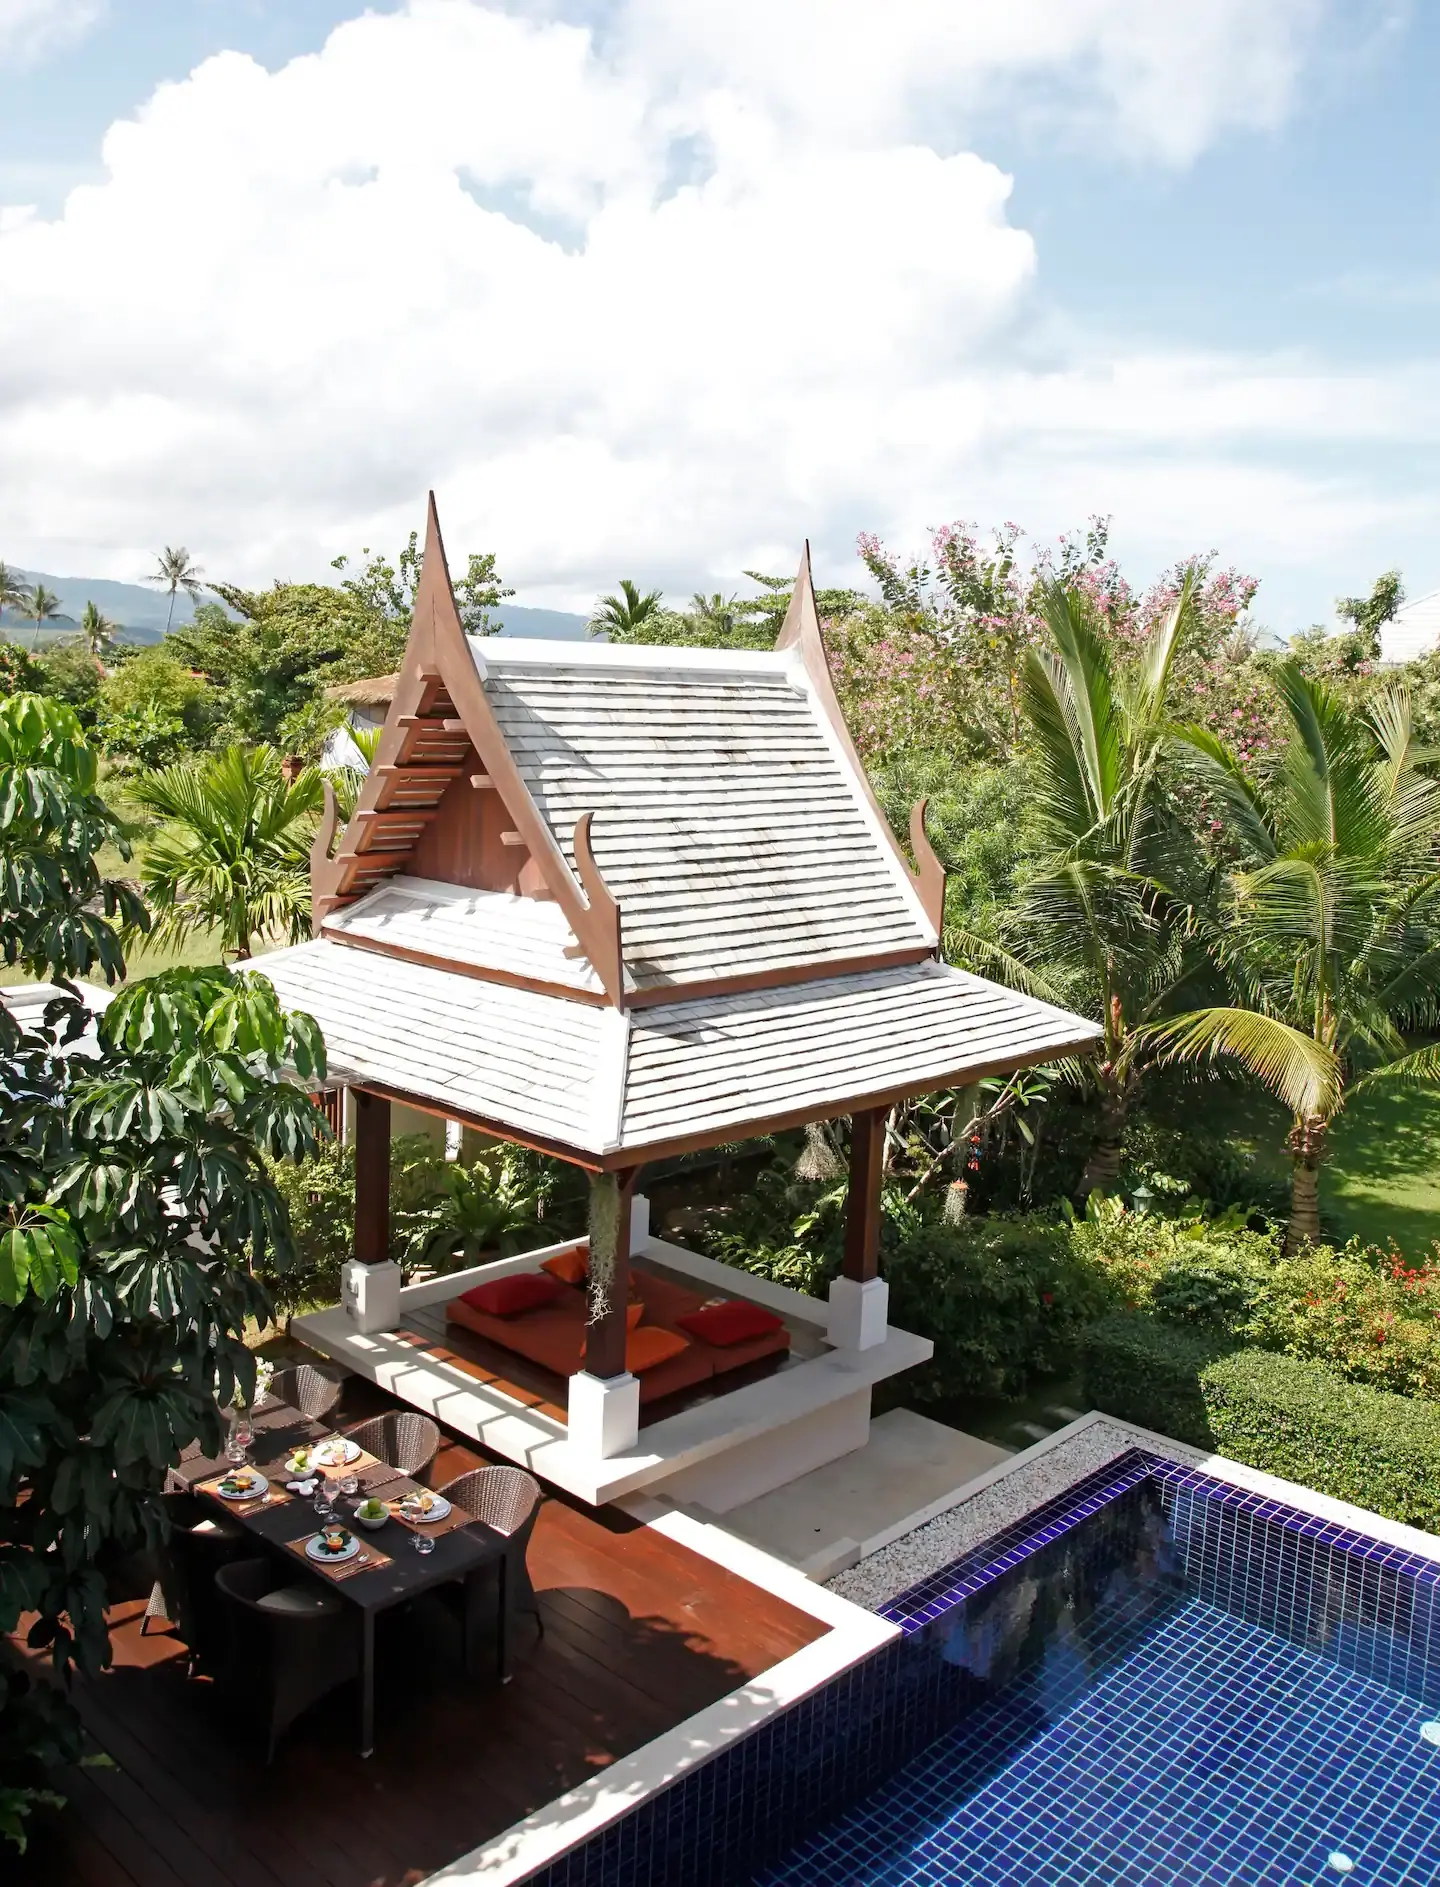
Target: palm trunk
point(1102, 1169)
point(1306, 1142)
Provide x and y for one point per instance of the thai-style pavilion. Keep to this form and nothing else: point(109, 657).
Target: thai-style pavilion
point(617, 903)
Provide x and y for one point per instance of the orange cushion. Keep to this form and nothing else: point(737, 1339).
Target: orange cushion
point(507, 1297)
point(734, 1322)
point(571, 1267)
point(649, 1345)
point(633, 1314)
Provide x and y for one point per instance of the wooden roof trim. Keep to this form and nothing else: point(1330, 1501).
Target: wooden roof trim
point(438, 651)
point(476, 972)
point(780, 976)
point(590, 910)
point(801, 633)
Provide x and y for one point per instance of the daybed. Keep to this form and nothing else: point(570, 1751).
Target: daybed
point(552, 1334)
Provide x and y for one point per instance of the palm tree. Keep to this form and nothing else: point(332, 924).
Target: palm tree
point(174, 571)
point(40, 606)
point(1332, 923)
point(716, 613)
point(97, 631)
point(14, 590)
point(1095, 916)
point(1117, 913)
point(234, 856)
point(618, 617)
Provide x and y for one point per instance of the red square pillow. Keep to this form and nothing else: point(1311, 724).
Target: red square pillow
point(735, 1322)
point(507, 1297)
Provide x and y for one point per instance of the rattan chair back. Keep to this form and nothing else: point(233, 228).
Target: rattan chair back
point(402, 1438)
point(502, 1498)
point(307, 1389)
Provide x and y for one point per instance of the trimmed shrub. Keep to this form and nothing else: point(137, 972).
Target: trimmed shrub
point(1149, 1372)
point(1300, 1420)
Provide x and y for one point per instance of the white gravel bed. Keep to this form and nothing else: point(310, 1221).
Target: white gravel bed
point(1003, 1495)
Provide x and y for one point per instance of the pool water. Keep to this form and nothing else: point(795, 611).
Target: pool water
point(1212, 1751)
point(1125, 1730)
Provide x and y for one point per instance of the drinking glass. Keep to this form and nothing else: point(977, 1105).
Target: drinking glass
point(324, 1505)
point(423, 1543)
point(349, 1484)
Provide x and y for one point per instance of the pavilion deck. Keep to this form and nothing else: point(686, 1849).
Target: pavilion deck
point(640, 1633)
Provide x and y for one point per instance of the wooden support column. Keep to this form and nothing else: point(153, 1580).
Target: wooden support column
point(372, 1178)
point(862, 1206)
point(610, 1197)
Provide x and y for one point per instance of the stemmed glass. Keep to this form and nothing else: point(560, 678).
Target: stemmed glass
point(241, 1435)
point(324, 1505)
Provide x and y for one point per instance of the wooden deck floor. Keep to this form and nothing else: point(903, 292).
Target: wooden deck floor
point(640, 1633)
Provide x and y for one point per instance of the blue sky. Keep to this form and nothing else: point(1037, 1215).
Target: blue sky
point(1207, 304)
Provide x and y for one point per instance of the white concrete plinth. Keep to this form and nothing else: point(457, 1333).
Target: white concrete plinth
point(371, 1295)
point(859, 1313)
point(604, 1414)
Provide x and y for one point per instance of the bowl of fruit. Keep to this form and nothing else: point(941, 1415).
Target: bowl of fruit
point(372, 1513)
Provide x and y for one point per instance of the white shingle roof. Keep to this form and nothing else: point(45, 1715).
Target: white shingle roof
point(729, 824)
point(605, 1081)
point(1414, 630)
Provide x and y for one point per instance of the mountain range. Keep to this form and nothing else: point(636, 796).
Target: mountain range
point(141, 612)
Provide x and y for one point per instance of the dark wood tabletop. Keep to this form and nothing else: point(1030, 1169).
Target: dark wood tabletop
point(459, 1554)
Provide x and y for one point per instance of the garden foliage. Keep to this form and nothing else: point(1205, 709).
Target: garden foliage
point(135, 1212)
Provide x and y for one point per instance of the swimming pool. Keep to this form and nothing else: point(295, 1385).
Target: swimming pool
point(1182, 1684)
point(1157, 1676)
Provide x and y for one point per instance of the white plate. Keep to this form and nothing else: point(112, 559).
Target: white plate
point(335, 1452)
point(314, 1550)
point(258, 1486)
point(438, 1509)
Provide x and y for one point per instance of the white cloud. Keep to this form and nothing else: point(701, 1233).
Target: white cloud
point(662, 302)
point(31, 30)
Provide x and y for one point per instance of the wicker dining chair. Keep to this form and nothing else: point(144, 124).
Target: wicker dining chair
point(307, 1389)
point(199, 1543)
point(402, 1438)
point(508, 1501)
point(291, 1644)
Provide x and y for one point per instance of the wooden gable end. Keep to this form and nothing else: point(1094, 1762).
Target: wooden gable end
point(444, 798)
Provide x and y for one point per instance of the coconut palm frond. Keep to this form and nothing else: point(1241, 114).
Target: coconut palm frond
point(1244, 800)
point(970, 951)
point(1421, 1068)
point(1300, 1072)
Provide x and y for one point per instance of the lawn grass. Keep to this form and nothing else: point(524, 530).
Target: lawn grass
point(1382, 1179)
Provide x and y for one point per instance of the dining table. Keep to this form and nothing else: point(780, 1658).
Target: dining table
point(387, 1571)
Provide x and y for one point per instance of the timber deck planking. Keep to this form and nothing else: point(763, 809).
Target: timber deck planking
point(639, 1634)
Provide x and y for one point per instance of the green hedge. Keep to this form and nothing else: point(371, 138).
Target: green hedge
point(1147, 1371)
point(1284, 1415)
point(1300, 1420)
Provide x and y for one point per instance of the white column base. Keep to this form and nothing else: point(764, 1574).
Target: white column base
point(859, 1313)
point(604, 1414)
point(371, 1295)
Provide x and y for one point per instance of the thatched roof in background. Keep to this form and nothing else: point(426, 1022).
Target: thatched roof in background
point(375, 691)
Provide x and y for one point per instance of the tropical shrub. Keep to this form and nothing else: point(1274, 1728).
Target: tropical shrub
point(1003, 1299)
point(1366, 1313)
point(133, 1205)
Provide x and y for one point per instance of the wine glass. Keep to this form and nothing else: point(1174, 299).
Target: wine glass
point(324, 1505)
